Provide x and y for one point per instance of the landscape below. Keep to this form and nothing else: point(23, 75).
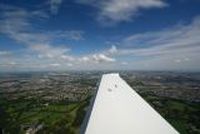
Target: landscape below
point(56, 102)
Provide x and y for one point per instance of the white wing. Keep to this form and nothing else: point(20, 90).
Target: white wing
point(118, 109)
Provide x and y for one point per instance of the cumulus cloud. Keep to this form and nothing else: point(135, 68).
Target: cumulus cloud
point(175, 47)
point(121, 10)
point(97, 58)
point(40, 52)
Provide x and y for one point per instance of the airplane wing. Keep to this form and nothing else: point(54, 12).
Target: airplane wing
point(118, 109)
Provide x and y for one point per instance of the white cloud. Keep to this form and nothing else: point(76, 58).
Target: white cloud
point(169, 41)
point(4, 53)
point(48, 51)
point(8, 65)
point(121, 10)
point(102, 58)
point(15, 23)
point(69, 64)
point(178, 60)
point(124, 63)
point(76, 35)
point(97, 58)
point(54, 65)
point(67, 58)
point(164, 49)
point(112, 50)
point(177, 47)
point(84, 59)
point(55, 5)
point(40, 52)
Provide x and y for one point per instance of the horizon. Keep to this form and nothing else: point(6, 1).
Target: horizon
point(107, 71)
point(99, 35)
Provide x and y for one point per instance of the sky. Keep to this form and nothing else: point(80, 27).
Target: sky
point(43, 35)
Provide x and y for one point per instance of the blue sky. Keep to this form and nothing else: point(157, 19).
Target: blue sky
point(99, 35)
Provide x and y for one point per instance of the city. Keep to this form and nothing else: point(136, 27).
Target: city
point(56, 102)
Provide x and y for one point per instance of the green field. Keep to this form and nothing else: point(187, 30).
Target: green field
point(59, 117)
point(184, 116)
